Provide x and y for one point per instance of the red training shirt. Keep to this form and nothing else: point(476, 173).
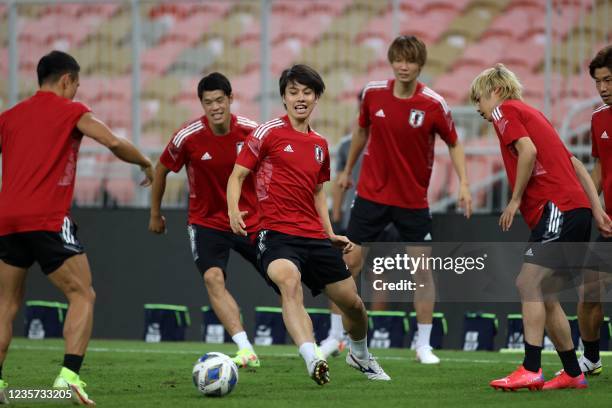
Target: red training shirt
point(399, 156)
point(209, 160)
point(553, 178)
point(288, 166)
point(601, 134)
point(40, 145)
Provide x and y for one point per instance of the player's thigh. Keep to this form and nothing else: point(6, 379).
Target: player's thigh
point(12, 283)
point(368, 220)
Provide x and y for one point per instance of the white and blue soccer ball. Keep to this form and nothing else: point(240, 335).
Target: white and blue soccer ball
point(215, 374)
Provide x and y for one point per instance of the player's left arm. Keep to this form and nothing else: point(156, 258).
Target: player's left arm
point(234, 190)
point(445, 127)
point(603, 221)
point(320, 202)
point(457, 155)
point(527, 153)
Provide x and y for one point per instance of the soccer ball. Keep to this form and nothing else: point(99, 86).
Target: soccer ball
point(215, 374)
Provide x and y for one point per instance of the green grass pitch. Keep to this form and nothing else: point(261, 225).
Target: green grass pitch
point(137, 374)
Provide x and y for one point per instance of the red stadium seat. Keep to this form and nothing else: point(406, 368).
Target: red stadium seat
point(428, 26)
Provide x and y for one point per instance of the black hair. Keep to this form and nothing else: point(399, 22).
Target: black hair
point(214, 82)
point(52, 66)
point(603, 59)
point(302, 74)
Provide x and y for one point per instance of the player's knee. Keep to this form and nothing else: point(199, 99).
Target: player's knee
point(214, 279)
point(91, 295)
point(424, 277)
point(590, 306)
point(77, 291)
point(11, 307)
point(526, 285)
point(356, 306)
point(289, 285)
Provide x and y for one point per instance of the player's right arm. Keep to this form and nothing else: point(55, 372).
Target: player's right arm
point(358, 143)
point(120, 147)
point(234, 190)
point(157, 222)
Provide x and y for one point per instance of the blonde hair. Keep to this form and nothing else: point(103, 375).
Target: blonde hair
point(497, 77)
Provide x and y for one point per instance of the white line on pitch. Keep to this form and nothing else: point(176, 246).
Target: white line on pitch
point(195, 353)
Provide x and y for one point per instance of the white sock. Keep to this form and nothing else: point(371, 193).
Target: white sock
point(337, 330)
point(307, 350)
point(359, 348)
point(424, 334)
point(242, 341)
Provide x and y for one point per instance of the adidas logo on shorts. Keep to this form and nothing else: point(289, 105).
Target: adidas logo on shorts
point(288, 149)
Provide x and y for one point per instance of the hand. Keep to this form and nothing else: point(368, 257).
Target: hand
point(345, 181)
point(604, 224)
point(505, 221)
point(340, 241)
point(157, 224)
point(237, 222)
point(148, 171)
point(465, 200)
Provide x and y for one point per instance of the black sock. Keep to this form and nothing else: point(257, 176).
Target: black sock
point(533, 358)
point(570, 362)
point(0, 371)
point(73, 362)
point(591, 350)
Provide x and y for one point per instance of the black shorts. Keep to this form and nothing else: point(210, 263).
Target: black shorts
point(369, 220)
point(211, 247)
point(50, 249)
point(318, 261)
point(546, 243)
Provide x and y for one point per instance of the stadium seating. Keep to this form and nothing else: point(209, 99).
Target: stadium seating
point(345, 39)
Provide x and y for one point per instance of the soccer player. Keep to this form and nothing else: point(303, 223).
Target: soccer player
point(555, 194)
point(291, 163)
point(590, 310)
point(208, 147)
point(39, 142)
point(398, 121)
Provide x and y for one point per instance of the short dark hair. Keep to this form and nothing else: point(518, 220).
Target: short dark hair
point(407, 48)
point(603, 59)
point(302, 74)
point(214, 82)
point(55, 64)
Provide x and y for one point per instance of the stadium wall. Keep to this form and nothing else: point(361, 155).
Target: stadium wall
point(132, 267)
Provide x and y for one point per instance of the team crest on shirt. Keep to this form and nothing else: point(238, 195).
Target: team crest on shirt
point(319, 154)
point(239, 147)
point(417, 117)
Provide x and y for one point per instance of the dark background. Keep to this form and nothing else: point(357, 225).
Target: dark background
point(132, 267)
